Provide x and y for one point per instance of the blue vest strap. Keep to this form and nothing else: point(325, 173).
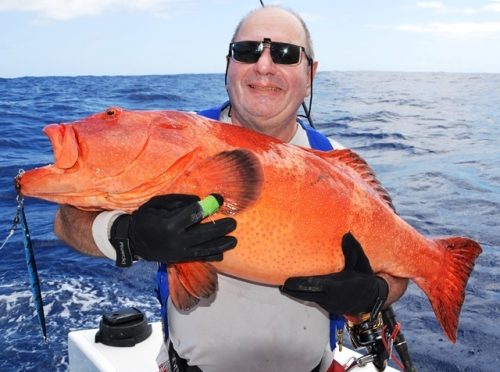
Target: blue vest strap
point(214, 112)
point(317, 140)
point(336, 324)
point(162, 292)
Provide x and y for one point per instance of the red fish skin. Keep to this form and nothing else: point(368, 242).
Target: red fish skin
point(292, 205)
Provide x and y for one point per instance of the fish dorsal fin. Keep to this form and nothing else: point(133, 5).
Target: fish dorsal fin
point(358, 164)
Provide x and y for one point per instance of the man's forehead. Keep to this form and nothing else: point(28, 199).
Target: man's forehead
point(276, 24)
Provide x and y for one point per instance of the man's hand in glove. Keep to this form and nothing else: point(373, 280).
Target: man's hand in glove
point(167, 229)
point(354, 290)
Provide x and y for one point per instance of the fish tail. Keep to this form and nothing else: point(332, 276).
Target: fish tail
point(447, 291)
point(191, 281)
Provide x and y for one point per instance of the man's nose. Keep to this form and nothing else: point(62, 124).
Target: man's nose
point(265, 64)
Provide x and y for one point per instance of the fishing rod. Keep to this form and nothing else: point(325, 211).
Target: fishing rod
point(389, 318)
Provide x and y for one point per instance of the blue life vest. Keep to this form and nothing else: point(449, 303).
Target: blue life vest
point(317, 141)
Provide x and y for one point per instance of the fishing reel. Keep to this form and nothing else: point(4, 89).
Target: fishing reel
point(378, 332)
point(367, 332)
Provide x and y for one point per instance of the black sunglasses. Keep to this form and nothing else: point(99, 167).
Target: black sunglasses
point(281, 53)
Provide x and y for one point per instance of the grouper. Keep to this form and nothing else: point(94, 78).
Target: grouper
point(292, 205)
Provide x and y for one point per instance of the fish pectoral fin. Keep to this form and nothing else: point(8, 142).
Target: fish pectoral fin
point(190, 281)
point(237, 175)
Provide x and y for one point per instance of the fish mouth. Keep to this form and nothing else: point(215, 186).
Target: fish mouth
point(48, 180)
point(64, 145)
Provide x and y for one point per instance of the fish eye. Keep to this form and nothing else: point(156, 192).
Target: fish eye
point(112, 113)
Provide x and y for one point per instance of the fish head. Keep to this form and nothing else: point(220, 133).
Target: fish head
point(109, 153)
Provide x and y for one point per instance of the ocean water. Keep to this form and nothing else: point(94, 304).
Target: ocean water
point(432, 138)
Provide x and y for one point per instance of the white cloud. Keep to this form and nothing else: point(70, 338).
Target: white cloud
point(461, 30)
point(441, 8)
point(454, 30)
point(431, 5)
point(494, 7)
point(69, 9)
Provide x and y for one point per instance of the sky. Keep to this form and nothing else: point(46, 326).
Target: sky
point(143, 37)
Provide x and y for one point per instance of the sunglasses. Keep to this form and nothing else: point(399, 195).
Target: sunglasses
point(281, 53)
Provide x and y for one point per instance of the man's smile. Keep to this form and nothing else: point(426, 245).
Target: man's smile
point(264, 87)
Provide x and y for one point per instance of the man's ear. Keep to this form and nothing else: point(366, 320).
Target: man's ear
point(314, 67)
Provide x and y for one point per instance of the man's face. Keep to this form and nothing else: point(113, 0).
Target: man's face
point(264, 92)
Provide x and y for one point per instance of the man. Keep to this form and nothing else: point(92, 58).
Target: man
point(245, 326)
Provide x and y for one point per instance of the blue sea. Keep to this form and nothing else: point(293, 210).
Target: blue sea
point(432, 138)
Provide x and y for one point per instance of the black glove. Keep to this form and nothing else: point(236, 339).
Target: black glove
point(352, 291)
point(167, 229)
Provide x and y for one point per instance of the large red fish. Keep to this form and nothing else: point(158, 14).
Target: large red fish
point(292, 205)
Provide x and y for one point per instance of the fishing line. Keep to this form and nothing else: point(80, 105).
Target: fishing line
point(12, 228)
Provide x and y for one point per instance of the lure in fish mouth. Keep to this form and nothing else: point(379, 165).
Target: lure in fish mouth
point(119, 159)
point(30, 257)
